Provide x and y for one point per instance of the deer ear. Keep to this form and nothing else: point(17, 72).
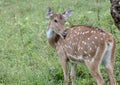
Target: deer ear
point(67, 14)
point(49, 12)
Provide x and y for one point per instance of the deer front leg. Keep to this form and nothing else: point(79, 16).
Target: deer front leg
point(64, 64)
point(65, 71)
point(73, 73)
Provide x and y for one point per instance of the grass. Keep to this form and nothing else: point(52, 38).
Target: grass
point(25, 55)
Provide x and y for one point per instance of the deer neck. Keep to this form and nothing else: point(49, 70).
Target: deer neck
point(52, 38)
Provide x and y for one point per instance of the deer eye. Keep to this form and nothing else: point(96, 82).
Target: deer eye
point(55, 21)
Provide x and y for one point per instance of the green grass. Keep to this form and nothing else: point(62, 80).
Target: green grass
point(25, 55)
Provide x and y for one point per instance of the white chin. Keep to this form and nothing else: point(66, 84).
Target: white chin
point(49, 33)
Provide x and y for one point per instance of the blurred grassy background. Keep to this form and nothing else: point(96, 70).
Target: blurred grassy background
point(25, 55)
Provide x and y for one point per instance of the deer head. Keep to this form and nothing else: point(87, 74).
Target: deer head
point(57, 21)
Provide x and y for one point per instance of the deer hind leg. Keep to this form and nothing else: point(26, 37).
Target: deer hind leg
point(108, 61)
point(95, 72)
point(94, 63)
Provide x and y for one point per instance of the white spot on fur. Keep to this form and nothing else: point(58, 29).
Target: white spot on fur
point(91, 31)
point(85, 52)
point(90, 48)
point(103, 33)
point(80, 48)
point(89, 55)
point(93, 42)
point(66, 46)
point(86, 32)
point(69, 47)
point(88, 38)
point(84, 42)
point(96, 37)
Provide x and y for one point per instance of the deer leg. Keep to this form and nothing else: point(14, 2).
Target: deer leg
point(65, 71)
point(73, 73)
point(95, 72)
point(108, 61)
point(64, 64)
point(93, 65)
point(109, 65)
point(110, 73)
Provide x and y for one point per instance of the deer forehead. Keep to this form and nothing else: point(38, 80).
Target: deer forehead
point(57, 16)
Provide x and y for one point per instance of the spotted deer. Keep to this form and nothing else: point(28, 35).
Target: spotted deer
point(81, 43)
